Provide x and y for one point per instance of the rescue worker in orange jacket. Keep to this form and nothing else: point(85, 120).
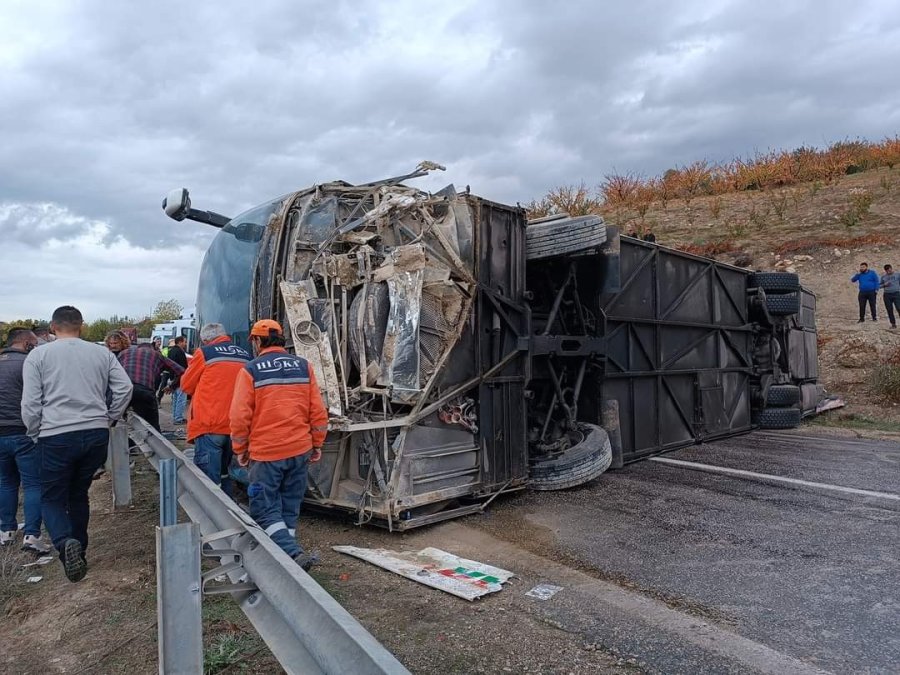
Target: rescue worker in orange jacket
point(209, 381)
point(278, 425)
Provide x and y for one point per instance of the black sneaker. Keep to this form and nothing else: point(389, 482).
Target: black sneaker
point(306, 561)
point(73, 560)
point(861, 321)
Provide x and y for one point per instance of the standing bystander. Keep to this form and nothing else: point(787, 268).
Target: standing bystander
point(144, 366)
point(868, 291)
point(209, 381)
point(179, 398)
point(43, 335)
point(18, 458)
point(278, 426)
point(890, 287)
point(73, 390)
point(117, 341)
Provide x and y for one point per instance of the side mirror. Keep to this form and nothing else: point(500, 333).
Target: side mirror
point(177, 204)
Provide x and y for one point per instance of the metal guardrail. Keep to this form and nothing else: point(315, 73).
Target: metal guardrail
point(304, 627)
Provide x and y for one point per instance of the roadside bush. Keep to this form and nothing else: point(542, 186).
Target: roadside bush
point(763, 171)
point(779, 202)
point(759, 219)
point(860, 201)
point(708, 248)
point(12, 577)
point(886, 382)
point(736, 229)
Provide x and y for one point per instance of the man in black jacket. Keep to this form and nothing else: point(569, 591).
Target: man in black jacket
point(179, 398)
point(18, 457)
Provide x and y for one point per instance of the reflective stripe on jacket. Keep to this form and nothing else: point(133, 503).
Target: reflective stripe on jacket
point(277, 410)
point(209, 381)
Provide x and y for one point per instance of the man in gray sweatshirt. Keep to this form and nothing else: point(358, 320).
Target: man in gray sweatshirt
point(890, 286)
point(72, 392)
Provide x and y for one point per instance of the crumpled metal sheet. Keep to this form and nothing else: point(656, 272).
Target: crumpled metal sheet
point(347, 238)
point(400, 357)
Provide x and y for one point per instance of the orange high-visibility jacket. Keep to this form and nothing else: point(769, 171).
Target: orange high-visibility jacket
point(277, 410)
point(209, 381)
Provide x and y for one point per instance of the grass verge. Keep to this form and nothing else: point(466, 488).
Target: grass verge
point(853, 421)
point(12, 576)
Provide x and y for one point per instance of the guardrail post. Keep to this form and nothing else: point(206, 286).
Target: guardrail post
point(119, 465)
point(178, 599)
point(168, 492)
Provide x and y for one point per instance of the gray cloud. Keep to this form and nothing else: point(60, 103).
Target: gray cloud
point(106, 106)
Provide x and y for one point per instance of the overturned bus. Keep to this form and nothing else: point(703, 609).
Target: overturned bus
point(463, 352)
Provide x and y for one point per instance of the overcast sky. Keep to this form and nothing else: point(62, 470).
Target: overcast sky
point(105, 106)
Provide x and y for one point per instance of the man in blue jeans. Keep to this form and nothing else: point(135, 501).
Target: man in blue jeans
point(18, 458)
point(278, 426)
point(65, 409)
point(177, 355)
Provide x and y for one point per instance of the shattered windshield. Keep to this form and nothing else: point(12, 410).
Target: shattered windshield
point(223, 293)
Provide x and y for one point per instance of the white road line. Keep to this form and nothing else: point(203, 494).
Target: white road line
point(790, 436)
point(777, 479)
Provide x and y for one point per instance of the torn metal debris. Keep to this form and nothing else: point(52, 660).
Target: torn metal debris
point(382, 288)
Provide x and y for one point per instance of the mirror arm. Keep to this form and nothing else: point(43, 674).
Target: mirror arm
point(208, 217)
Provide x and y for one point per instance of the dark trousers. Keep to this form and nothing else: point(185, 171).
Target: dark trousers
point(212, 454)
point(144, 403)
point(867, 297)
point(276, 493)
point(892, 302)
point(68, 462)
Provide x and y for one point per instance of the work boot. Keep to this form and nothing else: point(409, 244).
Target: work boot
point(35, 544)
point(7, 538)
point(73, 560)
point(306, 560)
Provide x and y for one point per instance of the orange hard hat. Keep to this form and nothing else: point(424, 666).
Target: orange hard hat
point(264, 328)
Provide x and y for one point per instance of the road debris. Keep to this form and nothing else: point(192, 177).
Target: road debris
point(33, 580)
point(43, 560)
point(433, 567)
point(543, 591)
point(830, 403)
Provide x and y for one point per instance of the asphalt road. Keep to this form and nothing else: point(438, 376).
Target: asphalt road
point(725, 574)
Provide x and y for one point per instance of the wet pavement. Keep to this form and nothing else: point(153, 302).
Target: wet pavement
point(774, 572)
